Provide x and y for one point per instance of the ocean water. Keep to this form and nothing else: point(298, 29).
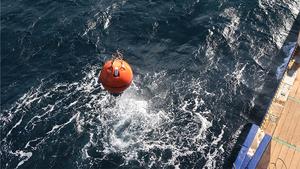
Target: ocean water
point(199, 68)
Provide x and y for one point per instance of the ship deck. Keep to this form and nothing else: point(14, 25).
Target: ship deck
point(282, 122)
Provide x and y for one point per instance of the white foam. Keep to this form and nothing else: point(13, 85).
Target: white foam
point(17, 124)
point(236, 78)
point(122, 124)
point(22, 154)
point(58, 127)
point(107, 22)
point(229, 31)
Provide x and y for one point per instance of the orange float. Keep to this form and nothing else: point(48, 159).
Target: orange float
point(116, 75)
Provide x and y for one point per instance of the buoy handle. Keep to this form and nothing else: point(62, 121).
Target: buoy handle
point(117, 56)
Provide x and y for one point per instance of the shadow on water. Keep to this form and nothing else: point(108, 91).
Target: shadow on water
point(264, 98)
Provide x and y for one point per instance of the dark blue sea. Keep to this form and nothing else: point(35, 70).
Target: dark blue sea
point(203, 69)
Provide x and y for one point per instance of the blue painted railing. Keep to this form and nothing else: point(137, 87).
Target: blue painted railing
point(243, 160)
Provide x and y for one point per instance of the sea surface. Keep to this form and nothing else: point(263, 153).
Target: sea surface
point(200, 67)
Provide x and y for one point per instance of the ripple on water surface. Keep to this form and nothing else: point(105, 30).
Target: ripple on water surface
point(198, 70)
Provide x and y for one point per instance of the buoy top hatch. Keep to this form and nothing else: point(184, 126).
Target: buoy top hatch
point(116, 74)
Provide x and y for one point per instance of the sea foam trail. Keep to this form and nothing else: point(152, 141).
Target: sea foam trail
point(128, 124)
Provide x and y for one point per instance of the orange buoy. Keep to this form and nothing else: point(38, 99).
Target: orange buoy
point(116, 75)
